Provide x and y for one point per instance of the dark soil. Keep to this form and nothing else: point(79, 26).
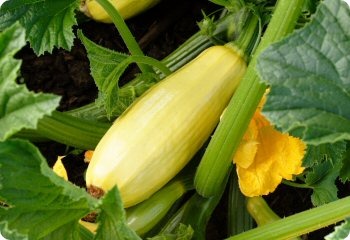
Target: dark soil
point(159, 31)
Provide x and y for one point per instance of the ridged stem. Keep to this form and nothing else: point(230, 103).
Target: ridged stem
point(69, 130)
point(217, 160)
point(239, 220)
point(300, 223)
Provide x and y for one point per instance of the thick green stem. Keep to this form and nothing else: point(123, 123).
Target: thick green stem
point(85, 234)
point(69, 130)
point(239, 219)
point(247, 41)
point(300, 223)
point(217, 160)
point(124, 32)
point(260, 211)
point(196, 213)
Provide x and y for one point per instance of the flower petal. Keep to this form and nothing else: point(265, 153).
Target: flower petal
point(277, 156)
point(248, 147)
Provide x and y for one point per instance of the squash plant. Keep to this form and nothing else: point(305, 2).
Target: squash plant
point(307, 75)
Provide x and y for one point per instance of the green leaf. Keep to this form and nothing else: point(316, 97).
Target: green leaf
point(48, 23)
point(69, 231)
point(309, 76)
point(324, 152)
point(322, 180)
point(112, 219)
point(341, 232)
point(107, 66)
point(231, 5)
point(39, 203)
point(19, 107)
point(345, 170)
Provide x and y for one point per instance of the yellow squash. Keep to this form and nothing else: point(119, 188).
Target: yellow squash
point(157, 136)
point(126, 8)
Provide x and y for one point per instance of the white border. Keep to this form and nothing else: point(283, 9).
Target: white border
point(1, 2)
point(348, 2)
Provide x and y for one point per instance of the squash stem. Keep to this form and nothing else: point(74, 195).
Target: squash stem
point(195, 212)
point(238, 220)
point(69, 130)
point(217, 160)
point(262, 213)
point(249, 36)
point(300, 223)
point(124, 32)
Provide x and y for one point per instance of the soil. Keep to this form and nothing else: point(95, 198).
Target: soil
point(159, 31)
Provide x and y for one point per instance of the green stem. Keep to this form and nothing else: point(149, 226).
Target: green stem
point(239, 220)
point(298, 185)
point(124, 32)
point(149, 61)
point(300, 223)
point(196, 213)
point(72, 131)
point(217, 160)
point(247, 41)
point(260, 211)
point(85, 234)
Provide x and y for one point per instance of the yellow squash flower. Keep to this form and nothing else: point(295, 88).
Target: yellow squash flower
point(266, 156)
point(59, 168)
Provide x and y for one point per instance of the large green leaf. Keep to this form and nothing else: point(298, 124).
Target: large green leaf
point(309, 76)
point(19, 108)
point(48, 23)
point(38, 202)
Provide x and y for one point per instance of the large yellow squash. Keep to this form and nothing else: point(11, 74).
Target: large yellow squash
point(157, 136)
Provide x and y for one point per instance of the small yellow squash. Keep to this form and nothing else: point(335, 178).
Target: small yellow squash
point(126, 8)
point(157, 136)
